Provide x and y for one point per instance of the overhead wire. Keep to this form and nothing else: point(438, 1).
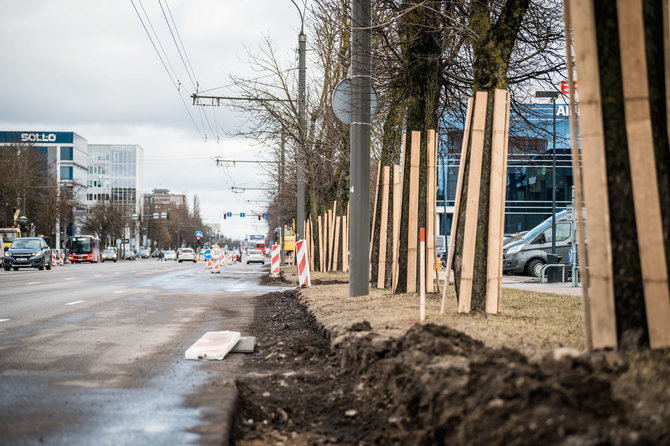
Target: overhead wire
point(160, 3)
point(174, 82)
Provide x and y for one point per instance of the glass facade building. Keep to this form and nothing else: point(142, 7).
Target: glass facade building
point(529, 167)
point(67, 159)
point(116, 173)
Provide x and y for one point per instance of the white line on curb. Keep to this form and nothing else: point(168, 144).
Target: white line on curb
point(32, 283)
point(76, 302)
point(4, 320)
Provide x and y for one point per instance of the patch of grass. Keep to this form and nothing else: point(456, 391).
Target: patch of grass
point(533, 323)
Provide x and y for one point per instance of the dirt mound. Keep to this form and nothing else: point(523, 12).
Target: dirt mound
point(434, 385)
point(328, 282)
point(279, 280)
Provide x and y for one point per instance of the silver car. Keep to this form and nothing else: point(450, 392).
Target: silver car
point(255, 255)
point(186, 254)
point(109, 254)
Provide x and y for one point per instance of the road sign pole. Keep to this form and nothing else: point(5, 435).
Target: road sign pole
point(359, 275)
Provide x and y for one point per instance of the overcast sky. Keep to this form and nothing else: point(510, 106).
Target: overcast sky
point(88, 66)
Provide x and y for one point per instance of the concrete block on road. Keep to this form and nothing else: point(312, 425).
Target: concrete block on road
point(246, 344)
point(213, 345)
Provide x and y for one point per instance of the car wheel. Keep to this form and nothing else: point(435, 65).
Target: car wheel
point(7, 268)
point(48, 266)
point(114, 261)
point(193, 260)
point(247, 262)
point(534, 267)
point(15, 269)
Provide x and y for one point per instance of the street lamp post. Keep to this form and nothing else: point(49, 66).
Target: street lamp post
point(552, 275)
point(300, 211)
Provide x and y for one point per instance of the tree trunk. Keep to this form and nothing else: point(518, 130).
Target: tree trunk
point(421, 33)
point(492, 51)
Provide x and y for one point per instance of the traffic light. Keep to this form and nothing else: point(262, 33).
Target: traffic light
point(225, 215)
point(259, 216)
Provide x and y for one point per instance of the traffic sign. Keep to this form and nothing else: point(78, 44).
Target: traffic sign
point(216, 253)
point(208, 254)
point(198, 233)
point(241, 214)
point(230, 214)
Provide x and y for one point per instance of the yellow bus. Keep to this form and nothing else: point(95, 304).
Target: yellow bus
point(8, 236)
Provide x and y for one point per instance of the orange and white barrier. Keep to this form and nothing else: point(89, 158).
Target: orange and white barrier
point(208, 265)
point(274, 260)
point(230, 257)
point(216, 260)
point(61, 258)
point(54, 258)
point(303, 263)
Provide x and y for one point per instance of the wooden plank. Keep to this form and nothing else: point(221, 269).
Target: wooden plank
point(413, 226)
point(397, 203)
point(430, 211)
point(496, 202)
point(321, 247)
point(472, 203)
point(337, 243)
point(374, 209)
point(333, 215)
point(504, 193)
point(437, 265)
point(311, 244)
point(329, 236)
point(401, 175)
point(601, 285)
point(457, 204)
point(643, 172)
point(345, 245)
point(383, 228)
point(577, 176)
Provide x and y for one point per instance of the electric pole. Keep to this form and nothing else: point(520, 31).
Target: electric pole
point(359, 275)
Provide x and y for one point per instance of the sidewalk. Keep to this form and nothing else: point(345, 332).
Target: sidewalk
point(533, 284)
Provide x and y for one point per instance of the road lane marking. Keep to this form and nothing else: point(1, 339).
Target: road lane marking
point(98, 275)
point(32, 283)
point(116, 273)
point(4, 320)
point(76, 302)
point(148, 284)
point(132, 271)
point(70, 278)
point(119, 291)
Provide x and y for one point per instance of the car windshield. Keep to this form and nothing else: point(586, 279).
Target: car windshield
point(187, 250)
point(108, 251)
point(254, 251)
point(169, 252)
point(23, 243)
point(542, 226)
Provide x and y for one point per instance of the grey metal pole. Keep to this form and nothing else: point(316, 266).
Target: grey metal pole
point(553, 184)
point(281, 204)
point(359, 275)
point(300, 213)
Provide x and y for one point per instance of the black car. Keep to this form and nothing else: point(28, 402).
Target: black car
point(28, 252)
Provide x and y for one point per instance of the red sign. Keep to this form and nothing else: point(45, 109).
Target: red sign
point(565, 87)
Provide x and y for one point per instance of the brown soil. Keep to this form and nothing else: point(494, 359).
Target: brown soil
point(436, 385)
point(268, 280)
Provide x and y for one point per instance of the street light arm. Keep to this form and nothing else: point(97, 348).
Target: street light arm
point(302, 17)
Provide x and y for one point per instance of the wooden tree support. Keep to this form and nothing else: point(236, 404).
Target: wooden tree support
point(457, 203)
point(383, 228)
point(413, 226)
point(430, 210)
point(497, 200)
point(397, 204)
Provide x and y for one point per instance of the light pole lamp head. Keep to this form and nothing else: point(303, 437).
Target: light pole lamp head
point(547, 94)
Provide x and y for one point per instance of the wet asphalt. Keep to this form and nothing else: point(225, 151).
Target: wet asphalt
point(94, 354)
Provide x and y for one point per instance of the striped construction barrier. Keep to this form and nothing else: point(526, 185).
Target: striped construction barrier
point(303, 263)
point(274, 261)
point(230, 257)
point(61, 257)
point(216, 254)
point(54, 258)
point(208, 265)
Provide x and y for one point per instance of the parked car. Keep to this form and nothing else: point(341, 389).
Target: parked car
point(129, 255)
point(170, 255)
point(143, 253)
point(529, 253)
point(186, 254)
point(109, 254)
point(255, 255)
point(27, 252)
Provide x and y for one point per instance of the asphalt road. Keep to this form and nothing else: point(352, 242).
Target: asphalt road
point(94, 354)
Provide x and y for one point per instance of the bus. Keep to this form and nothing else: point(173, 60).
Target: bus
point(8, 235)
point(83, 248)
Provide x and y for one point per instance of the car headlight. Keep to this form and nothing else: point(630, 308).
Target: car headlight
point(35, 253)
point(514, 249)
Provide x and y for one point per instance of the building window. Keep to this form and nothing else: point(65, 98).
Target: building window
point(65, 172)
point(66, 153)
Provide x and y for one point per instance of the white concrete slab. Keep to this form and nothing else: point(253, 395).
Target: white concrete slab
point(246, 344)
point(213, 345)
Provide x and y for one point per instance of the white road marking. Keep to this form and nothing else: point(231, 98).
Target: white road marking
point(76, 302)
point(32, 283)
point(70, 278)
point(148, 284)
point(4, 320)
point(132, 271)
point(119, 291)
point(98, 275)
point(116, 272)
